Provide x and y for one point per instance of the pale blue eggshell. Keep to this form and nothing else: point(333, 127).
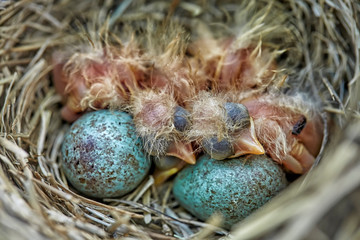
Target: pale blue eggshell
point(102, 156)
point(232, 187)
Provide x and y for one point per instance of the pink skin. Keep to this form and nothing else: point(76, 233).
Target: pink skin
point(152, 115)
point(236, 70)
point(239, 69)
point(227, 68)
point(301, 149)
point(89, 81)
point(175, 81)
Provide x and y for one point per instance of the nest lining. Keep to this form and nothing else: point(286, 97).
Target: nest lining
point(36, 202)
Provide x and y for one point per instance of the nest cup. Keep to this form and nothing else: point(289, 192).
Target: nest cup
point(321, 39)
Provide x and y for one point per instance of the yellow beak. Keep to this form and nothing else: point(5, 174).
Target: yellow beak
point(247, 142)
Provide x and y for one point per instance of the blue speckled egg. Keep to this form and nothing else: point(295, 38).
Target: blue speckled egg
point(102, 156)
point(233, 187)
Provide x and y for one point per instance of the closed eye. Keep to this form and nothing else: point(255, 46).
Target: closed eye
point(299, 126)
point(181, 119)
point(237, 116)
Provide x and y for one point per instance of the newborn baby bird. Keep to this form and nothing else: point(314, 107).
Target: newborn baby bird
point(231, 66)
point(289, 127)
point(97, 78)
point(161, 123)
point(160, 111)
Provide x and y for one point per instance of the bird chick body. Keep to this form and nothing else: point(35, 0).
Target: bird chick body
point(161, 118)
point(152, 84)
point(289, 127)
point(215, 99)
point(97, 78)
point(228, 67)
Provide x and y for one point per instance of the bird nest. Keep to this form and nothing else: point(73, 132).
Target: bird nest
point(319, 45)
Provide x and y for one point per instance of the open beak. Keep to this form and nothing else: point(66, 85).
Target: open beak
point(247, 142)
point(183, 151)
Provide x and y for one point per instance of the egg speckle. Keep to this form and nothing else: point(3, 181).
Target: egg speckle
point(102, 156)
point(233, 187)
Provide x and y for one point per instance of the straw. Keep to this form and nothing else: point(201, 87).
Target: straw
point(317, 44)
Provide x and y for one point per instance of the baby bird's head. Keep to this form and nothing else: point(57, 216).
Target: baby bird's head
point(161, 123)
point(289, 127)
point(222, 129)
